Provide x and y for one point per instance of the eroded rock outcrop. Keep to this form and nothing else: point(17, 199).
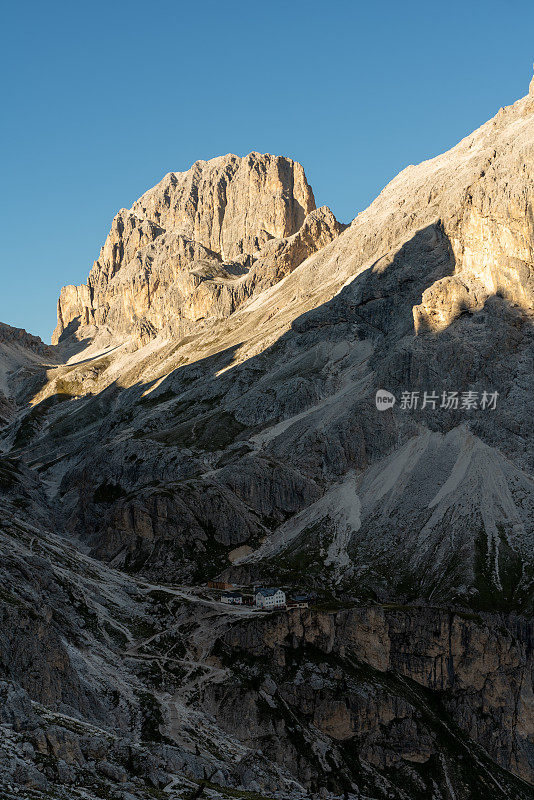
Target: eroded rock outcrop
point(73, 306)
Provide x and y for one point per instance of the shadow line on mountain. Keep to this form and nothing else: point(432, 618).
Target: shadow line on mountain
point(374, 304)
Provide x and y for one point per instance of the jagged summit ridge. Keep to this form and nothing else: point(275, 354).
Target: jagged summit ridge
point(186, 249)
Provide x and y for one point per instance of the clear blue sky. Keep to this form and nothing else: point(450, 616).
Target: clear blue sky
point(100, 100)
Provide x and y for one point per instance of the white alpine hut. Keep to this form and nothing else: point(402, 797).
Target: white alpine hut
point(269, 598)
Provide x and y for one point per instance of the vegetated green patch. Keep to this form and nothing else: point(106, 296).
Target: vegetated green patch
point(407, 584)
point(214, 558)
point(151, 718)
point(402, 607)
point(525, 593)
point(208, 432)
point(151, 673)
point(484, 564)
point(142, 628)
point(488, 554)
point(449, 577)
point(301, 561)
point(510, 567)
point(304, 570)
point(333, 604)
point(469, 617)
point(108, 492)
point(157, 794)
point(393, 575)
point(102, 790)
point(73, 386)
point(70, 388)
point(160, 597)
point(32, 421)
point(162, 673)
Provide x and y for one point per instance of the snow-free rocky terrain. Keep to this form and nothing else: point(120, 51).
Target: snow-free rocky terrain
point(207, 409)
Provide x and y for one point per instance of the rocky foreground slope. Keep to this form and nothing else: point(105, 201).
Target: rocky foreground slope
point(209, 410)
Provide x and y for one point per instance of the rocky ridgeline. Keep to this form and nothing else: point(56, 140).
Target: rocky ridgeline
point(22, 358)
point(19, 336)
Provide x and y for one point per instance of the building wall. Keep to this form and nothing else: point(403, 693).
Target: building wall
point(271, 601)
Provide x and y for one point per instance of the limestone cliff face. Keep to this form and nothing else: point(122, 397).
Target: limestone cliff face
point(192, 247)
point(477, 668)
point(487, 213)
point(74, 304)
point(231, 205)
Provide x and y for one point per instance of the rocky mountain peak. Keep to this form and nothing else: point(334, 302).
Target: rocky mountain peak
point(185, 249)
